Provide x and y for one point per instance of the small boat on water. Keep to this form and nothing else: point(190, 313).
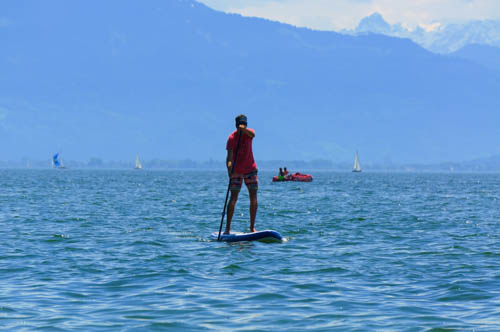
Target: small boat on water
point(138, 164)
point(299, 177)
point(356, 168)
point(57, 162)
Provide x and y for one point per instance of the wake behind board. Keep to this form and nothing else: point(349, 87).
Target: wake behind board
point(263, 236)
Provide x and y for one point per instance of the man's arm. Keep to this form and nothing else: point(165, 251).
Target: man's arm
point(229, 162)
point(246, 131)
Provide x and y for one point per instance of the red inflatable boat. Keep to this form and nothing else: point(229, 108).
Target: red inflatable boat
point(294, 177)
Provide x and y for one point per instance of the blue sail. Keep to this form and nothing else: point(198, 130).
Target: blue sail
point(55, 161)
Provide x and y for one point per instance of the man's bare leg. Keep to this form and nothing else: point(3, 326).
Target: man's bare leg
point(253, 209)
point(230, 210)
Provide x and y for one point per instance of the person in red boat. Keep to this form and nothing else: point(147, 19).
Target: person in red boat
point(281, 175)
point(285, 172)
point(245, 169)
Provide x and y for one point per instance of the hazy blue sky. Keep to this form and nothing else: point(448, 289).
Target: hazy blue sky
point(339, 14)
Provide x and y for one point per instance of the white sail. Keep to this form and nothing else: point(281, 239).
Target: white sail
point(138, 164)
point(356, 167)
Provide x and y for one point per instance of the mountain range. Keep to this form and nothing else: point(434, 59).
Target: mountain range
point(484, 55)
point(438, 38)
point(165, 79)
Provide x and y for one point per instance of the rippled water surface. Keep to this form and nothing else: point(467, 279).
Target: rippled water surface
point(130, 250)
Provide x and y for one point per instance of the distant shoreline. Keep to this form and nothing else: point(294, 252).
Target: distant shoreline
point(480, 165)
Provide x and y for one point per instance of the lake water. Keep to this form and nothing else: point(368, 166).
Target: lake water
point(130, 250)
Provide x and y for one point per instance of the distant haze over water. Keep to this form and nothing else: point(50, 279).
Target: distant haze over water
point(488, 164)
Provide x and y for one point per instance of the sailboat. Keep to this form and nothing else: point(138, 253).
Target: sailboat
point(356, 168)
point(138, 164)
point(56, 162)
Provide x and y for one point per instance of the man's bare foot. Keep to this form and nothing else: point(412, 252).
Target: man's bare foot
point(226, 233)
point(253, 230)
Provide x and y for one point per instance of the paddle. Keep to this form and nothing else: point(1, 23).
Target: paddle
point(229, 186)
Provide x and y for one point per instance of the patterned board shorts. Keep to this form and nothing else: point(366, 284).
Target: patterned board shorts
point(251, 181)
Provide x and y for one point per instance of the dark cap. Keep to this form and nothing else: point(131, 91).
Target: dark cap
point(241, 119)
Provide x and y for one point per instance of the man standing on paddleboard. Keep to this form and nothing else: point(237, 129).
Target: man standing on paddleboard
point(245, 169)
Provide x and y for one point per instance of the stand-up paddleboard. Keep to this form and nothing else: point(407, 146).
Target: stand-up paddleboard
point(263, 236)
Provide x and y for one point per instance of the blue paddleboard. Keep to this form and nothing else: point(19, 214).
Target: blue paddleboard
point(264, 236)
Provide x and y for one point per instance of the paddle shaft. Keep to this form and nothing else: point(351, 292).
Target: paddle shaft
point(233, 166)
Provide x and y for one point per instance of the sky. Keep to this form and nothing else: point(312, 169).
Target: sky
point(346, 14)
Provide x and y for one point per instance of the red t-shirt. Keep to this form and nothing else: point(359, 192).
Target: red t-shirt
point(244, 163)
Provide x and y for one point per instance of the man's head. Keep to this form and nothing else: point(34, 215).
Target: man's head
point(241, 120)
